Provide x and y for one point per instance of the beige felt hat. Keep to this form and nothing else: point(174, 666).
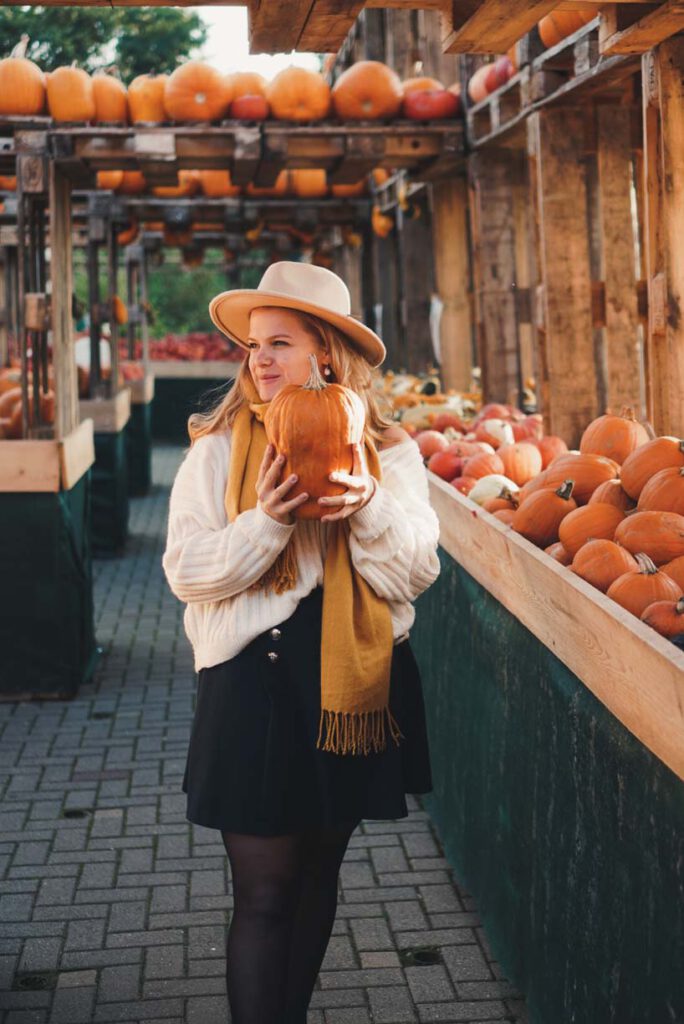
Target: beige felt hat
point(300, 286)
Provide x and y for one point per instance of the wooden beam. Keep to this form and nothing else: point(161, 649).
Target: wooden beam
point(618, 259)
point(566, 355)
point(635, 28)
point(61, 274)
point(328, 25)
point(452, 274)
point(490, 26)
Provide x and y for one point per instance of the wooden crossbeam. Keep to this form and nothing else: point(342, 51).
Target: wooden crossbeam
point(489, 26)
point(635, 28)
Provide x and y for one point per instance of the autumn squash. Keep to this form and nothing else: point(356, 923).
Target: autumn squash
point(558, 553)
point(249, 108)
point(550, 448)
point(649, 459)
point(309, 183)
point(129, 234)
point(638, 588)
point(367, 91)
point(666, 617)
point(445, 464)
point(132, 183)
point(614, 436)
point(483, 464)
point(588, 471)
point(495, 431)
point(316, 427)
point(675, 570)
point(195, 91)
point(663, 492)
point(559, 24)
point(477, 84)
point(8, 182)
point(597, 521)
point(463, 484)
point(350, 191)
point(521, 460)
point(110, 180)
point(505, 515)
point(431, 441)
point(70, 95)
point(611, 492)
point(22, 88)
point(296, 94)
point(659, 534)
point(111, 100)
point(146, 99)
point(119, 311)
point(421, 83)
point(218, 184)
point(188, 185)
point(280, 188)
point(538, 483)
point(539, 517)
point(506, 499)
point(601, 561)
point(8, 400)
point(247, 83)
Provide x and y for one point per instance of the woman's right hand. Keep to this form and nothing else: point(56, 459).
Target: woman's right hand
point(271, 494)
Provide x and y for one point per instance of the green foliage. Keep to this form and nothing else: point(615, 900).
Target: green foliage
point(179, 298)
point(136, 39)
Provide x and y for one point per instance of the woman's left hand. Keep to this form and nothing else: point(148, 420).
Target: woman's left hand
point(360, 486)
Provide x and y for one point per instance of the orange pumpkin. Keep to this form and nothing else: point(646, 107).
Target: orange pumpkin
point(666, 617)
point(367, 91)
point(600, 562)
point(218, 184)
point(659, 534)
point(350, 191)
point(538, 483)
point(188, 185)
point(309, 183)
point(22, 88)
point(614, 436)
point(110, 180)
point(550, 447)
point(611, 492)
point(638, 588)
point(197, 92)
point(282, 184)
point(588, 471)
point(421, 84)
point(647, 460)
point(539, 517)
point(111, 100)
point(8, 182)
point(247, 83)
point(129, 234)
point(664, 492)
point(522, 461)
point(675, 570)
point(70, 95)
point(590, 522)
point(296, 94)
point(560, 24)
point(558, 552)
point(505, 515)
point(119, 311)
point(132, 183)
point(8, 400)
point(483, 464)
point(146, 99)
point(463, 484)
point(316, 428)
point(477, 87)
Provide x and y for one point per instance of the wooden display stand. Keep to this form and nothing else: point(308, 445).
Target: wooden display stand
point(110, 506)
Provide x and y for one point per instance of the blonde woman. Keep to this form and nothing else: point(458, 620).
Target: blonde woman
point(309, 714)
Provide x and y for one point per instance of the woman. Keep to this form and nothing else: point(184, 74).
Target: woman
point(309, 713)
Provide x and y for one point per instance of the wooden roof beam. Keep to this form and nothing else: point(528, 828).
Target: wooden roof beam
point(635, 28)
point(489, 26)
point(320, 26)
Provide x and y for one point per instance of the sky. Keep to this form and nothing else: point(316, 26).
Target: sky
point(227, 46)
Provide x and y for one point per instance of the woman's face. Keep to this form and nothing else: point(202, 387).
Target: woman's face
point(279, 350)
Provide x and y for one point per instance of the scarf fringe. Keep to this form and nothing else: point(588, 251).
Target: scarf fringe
point(357, 732)
point(282, 575)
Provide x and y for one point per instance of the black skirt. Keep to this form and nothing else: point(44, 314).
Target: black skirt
point(253, 766)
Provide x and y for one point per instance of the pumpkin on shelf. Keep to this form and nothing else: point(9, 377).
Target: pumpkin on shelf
point(22, 85)
point(119, 311)
point(247, 83)
point(505, 516)
point(354, 191)
point(279, 188)
point(558, 553)
point(495, 431)
point(601, 562)
point(296, 94)
point(110, 180)
point(493, 486)
point(367, 91)
point(505, 499)
point(675, 570)
point(649, 459)
point(132, 183)
point(196, 92)
point(614, 436)
point(659, 534)
point(477, 84)
point(464, 484)
point(218, 185)
point(588, 471)
point(638, 588)
point(611, 492)
point(146, 99)
point(309, 183)
point(293, 423)
point(129, 234)
point(482, 465)
point(666, 617)
point(559, 25)
point(431, 441)
point(590, 522)
point(522, 461)
point(445, 464)
point(550, 448)
point(8, 182)
point(663, 492)
point(539, 516)
point(111, 99)
point(188, 185)
point(70, 95)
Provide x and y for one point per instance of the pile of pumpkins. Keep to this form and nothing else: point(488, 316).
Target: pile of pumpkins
point(11, 403)
point(196, 92)
point(611, 511)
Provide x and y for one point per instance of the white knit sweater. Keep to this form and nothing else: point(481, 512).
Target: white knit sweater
point(211, 564)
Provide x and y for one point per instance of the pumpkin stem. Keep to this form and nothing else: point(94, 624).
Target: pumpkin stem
point(565, 489)
point(628, 413)
point(315, 381)
point(507, 495)
point(679, 607)
point(646, 566)
point(21, 47)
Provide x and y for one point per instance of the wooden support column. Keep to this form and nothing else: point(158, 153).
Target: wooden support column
point(525, 275)
point(618, 259)
point(415, 293)
point(663, 122)
point(144, 307)
point(4, 308)
point(450, 238)
point(566, 349)
point(492, 176)
point(113, 286)
point(66, 397)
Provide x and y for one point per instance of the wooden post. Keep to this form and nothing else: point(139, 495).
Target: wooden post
point(663, 82)
point(450, 237)
point(618, 259)
point(144, 322)
point(113, 290)
point(94, 308)
point(66, 387)
point(4, 307)
point(418, 284)
point(566, 353)
point(493, 175)
point(525, 276)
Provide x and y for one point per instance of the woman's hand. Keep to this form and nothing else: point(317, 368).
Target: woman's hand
point(360, 486)
point(271, 494)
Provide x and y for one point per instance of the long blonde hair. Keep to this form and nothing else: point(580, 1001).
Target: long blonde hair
point(348, 366)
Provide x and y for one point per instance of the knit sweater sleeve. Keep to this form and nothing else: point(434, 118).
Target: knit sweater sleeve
point(393, 539)
point(207, 558)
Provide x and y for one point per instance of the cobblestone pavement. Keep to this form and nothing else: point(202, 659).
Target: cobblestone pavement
point(114, 908)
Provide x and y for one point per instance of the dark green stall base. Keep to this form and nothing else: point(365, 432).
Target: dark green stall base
point(138, 433)
point(175, 398)
point(110, 494)
point(46, 593)
point(566, 829)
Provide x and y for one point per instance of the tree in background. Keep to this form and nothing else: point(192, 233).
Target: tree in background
point(136, 39)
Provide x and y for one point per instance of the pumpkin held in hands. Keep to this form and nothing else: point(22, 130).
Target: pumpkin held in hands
point(316, 428)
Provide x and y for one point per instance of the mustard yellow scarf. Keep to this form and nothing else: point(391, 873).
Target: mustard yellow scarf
point(356, 637)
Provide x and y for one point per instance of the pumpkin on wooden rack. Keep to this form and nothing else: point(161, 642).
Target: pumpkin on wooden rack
point(247, 83)
point(611, 492)
point(590, 522)
point(280, 188)
point(638, 588)
point(119, 311)
point(316, 428)
point(614, 436)
point(588, 471)
point(483, 464)
point(522, 461)
point(296, 94)
point(8, 182)
point(111, 99)
point(675, 570)
point(218, 185)
point(666, 617)
point(477, 84)
point(367, 91)
point(22, 85)
point(659, 534)
point(110, 180)
point(539, 516)
point(197, 92)
point(551, 447)
point(558, 553)
point(350, 191)
point(309, 184)
point(646, 461)
point(663, 492)
point(132, 183)
point(601, 561)
point(146, 99)
point(70, 95)
point(560, 24)
point(188, 185)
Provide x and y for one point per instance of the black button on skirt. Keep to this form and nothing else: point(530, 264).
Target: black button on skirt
point(252, 764)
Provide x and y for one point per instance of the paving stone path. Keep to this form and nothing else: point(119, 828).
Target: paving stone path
point(114, 908)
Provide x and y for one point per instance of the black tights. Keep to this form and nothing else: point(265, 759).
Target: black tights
point(285, 898)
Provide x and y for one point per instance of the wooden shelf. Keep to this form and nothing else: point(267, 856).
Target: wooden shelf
point(46, 466)
point(174, 368)
point(637, 674)
point(109, 415)
point(142, 391)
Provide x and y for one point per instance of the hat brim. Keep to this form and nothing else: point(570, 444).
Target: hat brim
point(230, 311)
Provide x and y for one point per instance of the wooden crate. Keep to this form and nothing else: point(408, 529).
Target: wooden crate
point(46, 466)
